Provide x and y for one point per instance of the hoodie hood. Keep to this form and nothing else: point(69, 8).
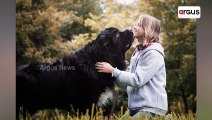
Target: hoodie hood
point(155, 46)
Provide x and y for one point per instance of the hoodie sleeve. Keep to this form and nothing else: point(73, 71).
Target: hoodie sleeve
point(121, 85)
point(146, 68)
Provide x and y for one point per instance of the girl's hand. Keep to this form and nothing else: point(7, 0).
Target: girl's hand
point(104, 67)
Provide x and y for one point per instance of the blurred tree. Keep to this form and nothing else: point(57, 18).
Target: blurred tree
point(44, 26)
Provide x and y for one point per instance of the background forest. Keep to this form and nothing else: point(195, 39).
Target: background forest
point(47, 30)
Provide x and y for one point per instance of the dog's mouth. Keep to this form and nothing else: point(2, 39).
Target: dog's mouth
point(129, 36)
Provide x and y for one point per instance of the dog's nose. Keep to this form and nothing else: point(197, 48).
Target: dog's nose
point(129, 30)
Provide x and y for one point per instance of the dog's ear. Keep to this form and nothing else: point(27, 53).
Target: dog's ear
point(113, 38)
point(116, 37)
point(112, 29)
point(109, 36)
point(101, 36)
point(106, 44)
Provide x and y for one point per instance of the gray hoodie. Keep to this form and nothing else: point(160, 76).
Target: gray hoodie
point(145, 81)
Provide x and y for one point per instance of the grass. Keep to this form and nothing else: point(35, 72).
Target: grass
point(64, 115)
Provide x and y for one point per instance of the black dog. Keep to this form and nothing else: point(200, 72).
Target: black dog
point(72, 82)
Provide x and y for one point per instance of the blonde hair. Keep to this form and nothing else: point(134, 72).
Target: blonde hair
point(151, 27)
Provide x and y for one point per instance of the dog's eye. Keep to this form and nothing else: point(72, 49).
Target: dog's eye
point(117, 35)
point(106, 44)
point(102, 36)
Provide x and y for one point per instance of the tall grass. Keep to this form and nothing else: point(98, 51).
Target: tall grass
point(98, 115)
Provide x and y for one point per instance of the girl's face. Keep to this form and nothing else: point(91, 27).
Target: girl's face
point(138, 31)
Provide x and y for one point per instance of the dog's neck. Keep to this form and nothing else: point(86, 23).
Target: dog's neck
point(93, 51)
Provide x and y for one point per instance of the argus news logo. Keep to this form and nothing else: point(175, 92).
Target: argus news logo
point(189, 12)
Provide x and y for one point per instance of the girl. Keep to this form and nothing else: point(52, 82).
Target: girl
point(145, 81)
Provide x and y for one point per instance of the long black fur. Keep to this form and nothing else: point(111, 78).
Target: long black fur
point(72, 82)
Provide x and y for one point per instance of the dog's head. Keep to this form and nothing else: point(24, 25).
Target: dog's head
point(113, 39)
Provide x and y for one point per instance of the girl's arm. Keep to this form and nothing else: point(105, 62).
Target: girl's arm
point(146, 68)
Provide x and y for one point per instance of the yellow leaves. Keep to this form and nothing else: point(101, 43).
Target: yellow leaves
point(80, 41)
point(92, 22)
point(93, 36)
point(26, 2)
point(64, 47)
point(29, 52)
point(121, 19)
point(28, 42)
